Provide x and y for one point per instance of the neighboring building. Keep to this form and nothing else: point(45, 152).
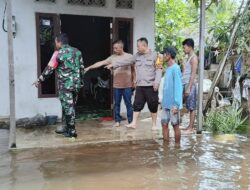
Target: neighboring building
point(91, 25)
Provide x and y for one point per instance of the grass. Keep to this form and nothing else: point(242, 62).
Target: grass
point(226, 121)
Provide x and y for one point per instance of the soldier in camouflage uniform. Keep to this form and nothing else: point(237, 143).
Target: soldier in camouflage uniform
point(68, 63)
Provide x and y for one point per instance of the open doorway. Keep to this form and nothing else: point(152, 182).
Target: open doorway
point(91, 35)
point(123, 30)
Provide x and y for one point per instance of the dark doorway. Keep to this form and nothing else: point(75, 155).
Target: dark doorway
point(123, 30)
point(91, 35)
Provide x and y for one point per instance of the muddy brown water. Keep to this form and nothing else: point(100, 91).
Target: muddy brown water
point(200, 163)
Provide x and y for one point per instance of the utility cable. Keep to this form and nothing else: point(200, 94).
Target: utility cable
point(3, 22)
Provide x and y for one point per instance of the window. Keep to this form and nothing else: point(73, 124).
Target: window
point(47, 27)
point(124, 4)
point(96, 3)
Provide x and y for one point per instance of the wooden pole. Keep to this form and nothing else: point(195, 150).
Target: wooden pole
point(201, 64)
point(12, 135)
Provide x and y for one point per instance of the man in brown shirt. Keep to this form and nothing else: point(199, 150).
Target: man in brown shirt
point(148, 78)
point(123, 80)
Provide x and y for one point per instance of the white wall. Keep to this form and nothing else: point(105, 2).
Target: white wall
point(4, 85)
point(25, 53)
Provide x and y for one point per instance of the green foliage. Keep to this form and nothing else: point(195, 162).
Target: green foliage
point(219, 20)
point(179, 19)
point(227, 121)
point(243, 34)
point(172, 16)
point(197, 2)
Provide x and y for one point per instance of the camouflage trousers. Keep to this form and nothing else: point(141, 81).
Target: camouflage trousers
point(68, 101)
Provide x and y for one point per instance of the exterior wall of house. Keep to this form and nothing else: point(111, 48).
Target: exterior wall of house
point(4, 88)
point(25, 53)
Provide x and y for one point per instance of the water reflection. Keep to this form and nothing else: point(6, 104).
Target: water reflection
point(200, 163)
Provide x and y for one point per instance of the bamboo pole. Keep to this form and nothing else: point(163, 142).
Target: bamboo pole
point(12, 134)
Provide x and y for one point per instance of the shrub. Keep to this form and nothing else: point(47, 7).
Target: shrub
point(226, 121)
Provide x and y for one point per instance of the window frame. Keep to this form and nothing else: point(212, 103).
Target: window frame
point(56, 21)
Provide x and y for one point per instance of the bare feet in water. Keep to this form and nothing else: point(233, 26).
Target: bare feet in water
point(154, 128)
point(131, 125)
point(185, 128)
point(117, 124)
point(187, 131)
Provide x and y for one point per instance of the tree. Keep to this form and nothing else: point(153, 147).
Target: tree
point(219, 23)
point(197, 3)
point(172, 16)
point(178, 19)
point(242, 41)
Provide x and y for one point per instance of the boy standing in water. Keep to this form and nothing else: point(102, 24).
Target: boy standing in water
point(172, 96)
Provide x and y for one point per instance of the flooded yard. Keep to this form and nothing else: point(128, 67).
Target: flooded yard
point(201, 163)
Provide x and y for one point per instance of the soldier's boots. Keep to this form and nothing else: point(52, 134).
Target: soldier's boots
point(70, 132)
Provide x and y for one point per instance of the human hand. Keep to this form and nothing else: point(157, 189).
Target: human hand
point(86, 70)
point(159, 61)
point(157, 66)
point(174, 110)
point(134, 85)
point(36, 83)
point(187, 92)
point(109, 66)
point(156, 87)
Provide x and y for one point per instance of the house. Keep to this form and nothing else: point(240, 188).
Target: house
point(92, 25)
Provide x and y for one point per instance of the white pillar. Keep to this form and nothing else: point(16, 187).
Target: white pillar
point(12, 136)
point(201, 65)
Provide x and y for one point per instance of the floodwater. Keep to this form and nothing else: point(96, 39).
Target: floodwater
point(200, 162)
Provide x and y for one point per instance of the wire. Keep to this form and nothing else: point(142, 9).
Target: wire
point(3, 22)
